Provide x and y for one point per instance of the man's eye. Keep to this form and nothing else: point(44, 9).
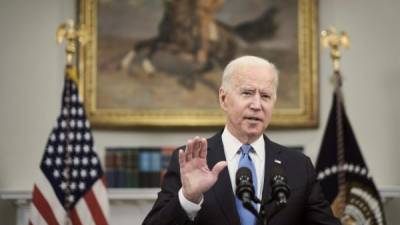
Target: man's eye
point(246, 93)
point(266, 96)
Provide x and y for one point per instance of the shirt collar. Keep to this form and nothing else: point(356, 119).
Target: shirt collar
point(232, 145)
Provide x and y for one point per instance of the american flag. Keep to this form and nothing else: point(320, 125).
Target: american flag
point(71, 187)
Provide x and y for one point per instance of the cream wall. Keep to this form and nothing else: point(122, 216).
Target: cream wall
point(31, 76)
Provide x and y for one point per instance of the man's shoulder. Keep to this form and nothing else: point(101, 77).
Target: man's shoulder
point(285, 151)
point(215, 139)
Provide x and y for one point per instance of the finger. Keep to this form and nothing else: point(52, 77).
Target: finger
point(203, 149)
point(189, 150)
point(219, 167)
point(182, 160)
point(197, 147)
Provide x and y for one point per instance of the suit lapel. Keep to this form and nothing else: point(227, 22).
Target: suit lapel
point(271, 154)
point(222, 188)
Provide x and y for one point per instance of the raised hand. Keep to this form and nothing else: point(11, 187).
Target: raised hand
point(196, 177)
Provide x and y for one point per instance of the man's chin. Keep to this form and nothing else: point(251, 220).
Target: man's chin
point(255, 131)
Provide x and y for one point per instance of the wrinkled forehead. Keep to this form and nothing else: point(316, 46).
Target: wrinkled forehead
point(261, 75)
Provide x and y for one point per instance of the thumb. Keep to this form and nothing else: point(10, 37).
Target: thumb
point(219, 167)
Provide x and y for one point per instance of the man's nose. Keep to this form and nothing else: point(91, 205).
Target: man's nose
point(256, 102)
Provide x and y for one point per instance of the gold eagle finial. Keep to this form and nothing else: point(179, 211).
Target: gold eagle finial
point(72, 34)
point(331, 39)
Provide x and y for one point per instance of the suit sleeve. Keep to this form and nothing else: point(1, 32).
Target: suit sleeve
point(167, 209)
point(318, 210)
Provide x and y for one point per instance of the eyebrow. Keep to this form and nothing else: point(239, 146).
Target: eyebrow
point(254, 89)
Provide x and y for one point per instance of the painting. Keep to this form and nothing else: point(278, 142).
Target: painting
point(158, 63)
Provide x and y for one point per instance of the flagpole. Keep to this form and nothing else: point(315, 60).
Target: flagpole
point(73, 36)
point(331, 39)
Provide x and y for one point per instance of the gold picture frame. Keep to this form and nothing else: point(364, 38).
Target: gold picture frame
point(299, 108)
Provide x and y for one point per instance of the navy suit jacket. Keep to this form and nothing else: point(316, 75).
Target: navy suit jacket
point(306, 204)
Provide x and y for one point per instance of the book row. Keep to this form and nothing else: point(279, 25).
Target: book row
point(136, 167)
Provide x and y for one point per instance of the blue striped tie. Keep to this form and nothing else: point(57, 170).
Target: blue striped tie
point(246, 217)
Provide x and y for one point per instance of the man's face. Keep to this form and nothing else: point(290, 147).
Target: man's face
point(248, 102)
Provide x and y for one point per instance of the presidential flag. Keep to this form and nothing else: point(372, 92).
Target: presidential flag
point(71, 187)
point(345, 178)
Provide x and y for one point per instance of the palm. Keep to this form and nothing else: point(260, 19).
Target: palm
point(196, 177)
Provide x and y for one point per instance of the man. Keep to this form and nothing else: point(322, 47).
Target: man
point(199, 185)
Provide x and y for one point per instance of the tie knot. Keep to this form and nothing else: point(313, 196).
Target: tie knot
point(246, 149)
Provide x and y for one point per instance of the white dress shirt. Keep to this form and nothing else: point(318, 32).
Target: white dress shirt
point(232, 154)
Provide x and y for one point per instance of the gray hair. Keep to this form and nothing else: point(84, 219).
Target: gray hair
point(243, 62)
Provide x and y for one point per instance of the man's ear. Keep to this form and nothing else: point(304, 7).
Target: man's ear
point(222, 98)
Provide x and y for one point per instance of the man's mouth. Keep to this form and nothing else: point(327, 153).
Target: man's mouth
point(256, 119)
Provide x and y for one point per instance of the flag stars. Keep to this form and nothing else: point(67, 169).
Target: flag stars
point(357, 169)
point(73, 111)
point(348, 168)
point(363, 171)
point(60, 149)
point(87, 136)
point(94, 160)
point(85, 161)
point(83, 173)
point(86, 148)
point(61, 136)
point(63, 124)
point(79, 124)
point(87, 124)
point(71, 198)
point(73, 98)
point(65, 112)
point(69, 148)
point(48, 162)
point(56, 174)
point(58, 161)
point(53, 137)
point(71, 136)
point(77, 148)
point(72, 123)
point(50, 149)
point(321, 176)
point(80, 111)
point(351, 168)
point(81, 185)
point(76, 161)
point(93, 173)
point(74, 173)
point(78, 136)
point(334, 169)
point(63, 185)
point(73, 186)
point(327, 171)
